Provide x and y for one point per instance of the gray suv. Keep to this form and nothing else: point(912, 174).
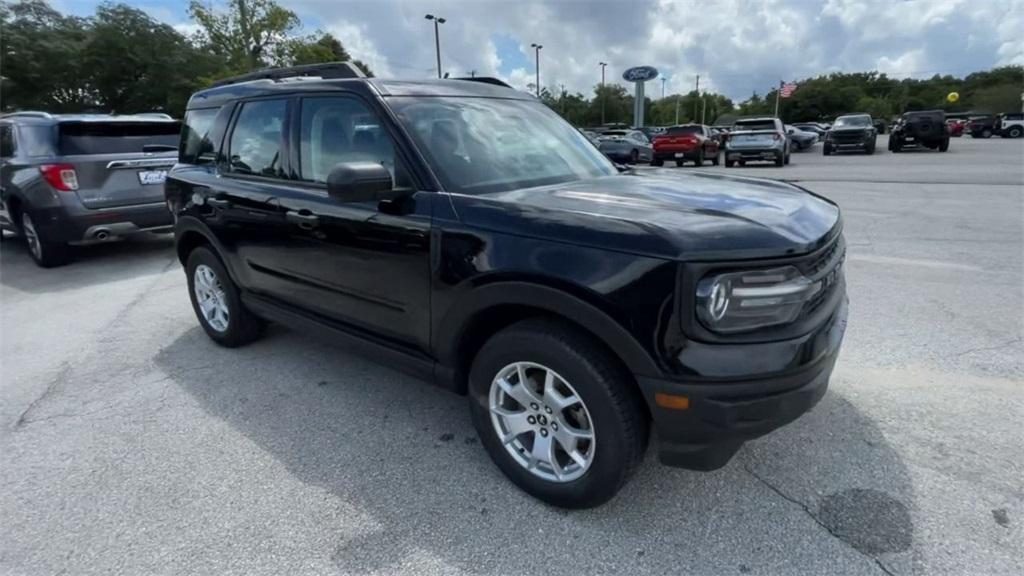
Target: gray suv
point(82, 179)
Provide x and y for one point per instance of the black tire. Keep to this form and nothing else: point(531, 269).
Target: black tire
point(700, 158)
point(717, 158)
point(242, 325)
point(826, 150)
point(780, 161)
point(680, 162)
point(896, 146)
point(617, 414)
point(944, 145)
point(657, 162)
point(1015, 132)
point(870, 148)
point(729, 163)
point(45, 252)
point(786, 160)
point(986, 133)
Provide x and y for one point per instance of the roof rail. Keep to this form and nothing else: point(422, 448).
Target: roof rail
point(161, 115)
point(485, 80)
point(28, 114)
point(325, 70)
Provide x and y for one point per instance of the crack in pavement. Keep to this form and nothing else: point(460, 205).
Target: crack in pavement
point(23, 419)
point(815, 518)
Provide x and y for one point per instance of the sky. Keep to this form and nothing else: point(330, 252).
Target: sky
point(737, 47)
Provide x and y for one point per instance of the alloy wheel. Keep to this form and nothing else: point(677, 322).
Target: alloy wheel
point(542, 422)
point(211, 298)
point(31, 236)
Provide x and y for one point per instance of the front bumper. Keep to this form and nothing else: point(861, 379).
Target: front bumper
point(722, 415)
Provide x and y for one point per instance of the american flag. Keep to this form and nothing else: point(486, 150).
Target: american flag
point(787, 90)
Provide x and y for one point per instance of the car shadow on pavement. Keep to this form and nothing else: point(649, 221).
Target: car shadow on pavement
point(98, 264)
point(826, 494)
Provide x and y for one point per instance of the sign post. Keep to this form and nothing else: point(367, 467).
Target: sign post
point(638, 75)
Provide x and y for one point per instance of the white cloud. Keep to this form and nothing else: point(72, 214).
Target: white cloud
point(736, 46)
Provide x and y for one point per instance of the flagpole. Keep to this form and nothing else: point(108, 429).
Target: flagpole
point(777, 94)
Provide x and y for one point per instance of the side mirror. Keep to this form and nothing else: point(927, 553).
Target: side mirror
point(360, 182)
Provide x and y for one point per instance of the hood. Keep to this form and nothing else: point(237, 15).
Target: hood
point(663, 213)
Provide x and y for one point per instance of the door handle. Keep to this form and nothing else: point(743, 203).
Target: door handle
point(304, 218)
point(217, 203)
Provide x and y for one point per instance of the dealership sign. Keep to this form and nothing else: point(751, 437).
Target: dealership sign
point(639, 75)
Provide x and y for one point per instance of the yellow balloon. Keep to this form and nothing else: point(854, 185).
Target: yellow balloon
point(953, 96)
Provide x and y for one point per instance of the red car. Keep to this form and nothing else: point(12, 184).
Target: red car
point(956, 126)
point(692, 142)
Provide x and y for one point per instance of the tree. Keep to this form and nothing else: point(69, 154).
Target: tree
point(245, 36)
point(315, 49)
point(133, 63)
point(40, 50)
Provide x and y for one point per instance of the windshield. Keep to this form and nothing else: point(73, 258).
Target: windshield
point(480, 145)
point(852, 121)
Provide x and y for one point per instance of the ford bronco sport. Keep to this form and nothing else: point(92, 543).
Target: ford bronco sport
point(462, 231)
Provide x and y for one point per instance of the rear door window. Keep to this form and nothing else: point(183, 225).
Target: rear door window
point(77, 138)
point(257, 140)
point(194, 133)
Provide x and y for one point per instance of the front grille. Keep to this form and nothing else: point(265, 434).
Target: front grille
point(847, 137)
point(828, 267)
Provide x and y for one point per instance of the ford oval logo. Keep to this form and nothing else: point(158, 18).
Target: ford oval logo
point(640, 74)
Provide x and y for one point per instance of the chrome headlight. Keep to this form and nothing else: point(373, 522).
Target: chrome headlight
point(742, 301)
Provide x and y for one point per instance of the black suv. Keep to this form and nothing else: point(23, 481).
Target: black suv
point(464, 232)
point(927, 128)
point(851, 132)
point(74, 179)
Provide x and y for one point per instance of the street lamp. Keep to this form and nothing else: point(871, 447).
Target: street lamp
point(437, 39)
point(602, 65)
point(536, 56)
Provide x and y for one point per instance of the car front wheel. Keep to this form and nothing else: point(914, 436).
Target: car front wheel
point(217, 301)
point(557, 415)
point(1015, 132)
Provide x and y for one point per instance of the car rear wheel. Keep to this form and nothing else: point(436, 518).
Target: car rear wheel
point(1015, 132)
point(556, 414)
point(986, 133)
point(217, 301)
point(45, 252)
point(700, 158)
point(944, 145)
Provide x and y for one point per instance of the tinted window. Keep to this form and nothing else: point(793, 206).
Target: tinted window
point(6, 141)
point(335, 130)
point(852, 121)
point(114, 137)
point(755, 125)
point(255, 146)
point(680, 130)
point(36, 140)
point(194, 134)
point(479, 145)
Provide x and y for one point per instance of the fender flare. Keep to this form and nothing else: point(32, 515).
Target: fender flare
point(451, 329)
point(186, 225)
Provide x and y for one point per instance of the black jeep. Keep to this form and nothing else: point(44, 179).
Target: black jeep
point(464, 232)
point(926, 128)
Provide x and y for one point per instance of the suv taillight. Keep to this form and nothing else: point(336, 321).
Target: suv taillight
point(61, 176)
point(776, 136)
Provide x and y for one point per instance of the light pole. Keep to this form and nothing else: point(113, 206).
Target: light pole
point(603, 98)
point(437, 39)
point(663, 80)
point(536, 57)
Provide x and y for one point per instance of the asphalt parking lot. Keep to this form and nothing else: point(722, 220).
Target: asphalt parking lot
point(131, 444)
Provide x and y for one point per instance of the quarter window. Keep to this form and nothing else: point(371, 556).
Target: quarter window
point(338, 130)
point(6, 141)
point(255, 146)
